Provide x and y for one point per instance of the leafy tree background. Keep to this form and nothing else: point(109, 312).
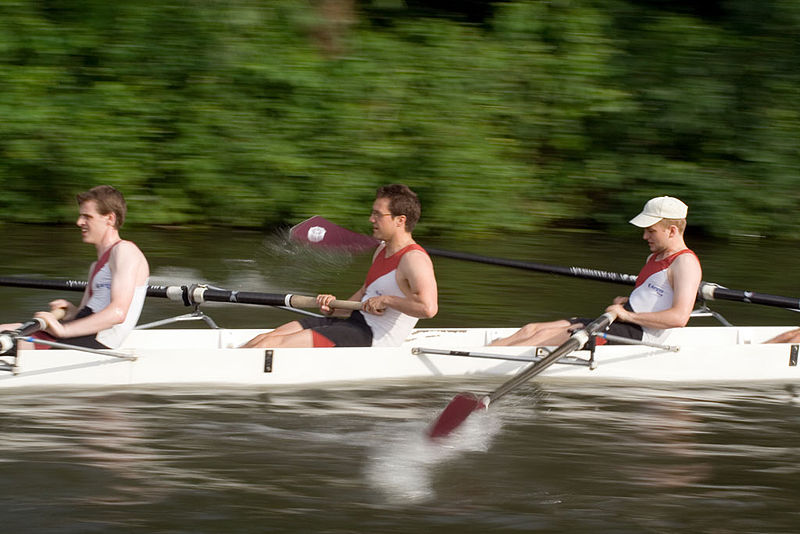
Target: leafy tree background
point(508, 116)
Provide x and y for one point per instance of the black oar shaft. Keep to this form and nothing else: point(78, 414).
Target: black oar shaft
point(269, 299)
point(66, 285)
point(195, 294)
point(29, 327)
point(35, 283)
point(8, 339)
point(240, 297)
point(714, 292)
point(707, 290)
point(576, 272)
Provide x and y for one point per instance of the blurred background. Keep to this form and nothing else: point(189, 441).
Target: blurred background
point(531, 130)
point(516, 116)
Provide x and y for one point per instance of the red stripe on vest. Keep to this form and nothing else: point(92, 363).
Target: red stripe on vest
point(653, 266)
point(101, 262)
point(383, 265)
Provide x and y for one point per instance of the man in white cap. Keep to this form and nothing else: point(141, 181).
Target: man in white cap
point(665, 291)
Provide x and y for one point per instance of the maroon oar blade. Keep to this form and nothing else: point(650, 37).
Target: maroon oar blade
point(319, 231)
point(464, 404)
point(456, 413)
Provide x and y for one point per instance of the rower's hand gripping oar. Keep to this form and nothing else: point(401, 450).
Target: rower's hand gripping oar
point(464, 404)
point(9, 338)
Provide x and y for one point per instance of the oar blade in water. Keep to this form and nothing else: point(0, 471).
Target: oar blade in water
point(455, 413)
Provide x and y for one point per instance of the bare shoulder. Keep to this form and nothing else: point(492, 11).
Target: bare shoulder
point(128, 248)
point(126, 255)
point(416, 258)
point(686, 269)
point(688, 260)
point(417, 268)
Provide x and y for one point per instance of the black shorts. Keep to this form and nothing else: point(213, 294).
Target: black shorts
point(351, 332)
point(619, 329)
point(88, 341)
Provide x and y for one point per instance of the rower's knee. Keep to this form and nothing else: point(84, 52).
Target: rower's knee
point(260, 341)
point(529, 329)
point(792, 336)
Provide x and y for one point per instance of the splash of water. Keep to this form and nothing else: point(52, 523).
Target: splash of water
point(403, 461)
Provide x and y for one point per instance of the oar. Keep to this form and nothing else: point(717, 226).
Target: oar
point(318, 231)
point(331, 235)
point(194, 294)
point(575, 272)
point(464, 404)
point(9, 338)
point(715, 292)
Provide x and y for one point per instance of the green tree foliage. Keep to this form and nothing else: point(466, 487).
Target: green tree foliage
point(512, 116)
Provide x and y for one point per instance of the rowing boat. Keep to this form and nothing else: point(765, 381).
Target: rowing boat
point(208, 356)
point(185, 356)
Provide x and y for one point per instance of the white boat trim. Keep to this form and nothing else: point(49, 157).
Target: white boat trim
point(206, 356)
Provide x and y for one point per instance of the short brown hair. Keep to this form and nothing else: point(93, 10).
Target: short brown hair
point(402, 201)
point(680, 223)
point(108, 200)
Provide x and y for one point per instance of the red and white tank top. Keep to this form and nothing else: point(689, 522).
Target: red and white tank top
point(100, 298)
point(393, 327)
point(653, 292)
point(100, 282)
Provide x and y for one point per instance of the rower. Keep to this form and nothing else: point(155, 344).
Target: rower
point(665, 290)
point(114, 296)
point(400, 287)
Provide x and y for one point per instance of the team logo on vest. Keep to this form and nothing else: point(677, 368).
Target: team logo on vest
point(658, 290)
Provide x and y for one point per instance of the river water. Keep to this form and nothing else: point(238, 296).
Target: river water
point(554, 456)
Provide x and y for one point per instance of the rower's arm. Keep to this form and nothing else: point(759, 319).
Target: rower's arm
point(128, 270)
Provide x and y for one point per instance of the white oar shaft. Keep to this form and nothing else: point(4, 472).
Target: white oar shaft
point(57, 345)
point(529, 358)
point(575, 342)
point(629, 341)
point(473, 354)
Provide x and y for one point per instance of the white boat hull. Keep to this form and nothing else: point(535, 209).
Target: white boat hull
point(707, 354)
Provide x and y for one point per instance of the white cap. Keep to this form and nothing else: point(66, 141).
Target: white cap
point(660, 208)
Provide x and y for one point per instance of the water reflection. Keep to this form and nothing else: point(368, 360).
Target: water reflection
point(667, 427)
point(555, 455)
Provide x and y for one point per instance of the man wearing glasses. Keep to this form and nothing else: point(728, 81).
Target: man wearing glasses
point(400, 287)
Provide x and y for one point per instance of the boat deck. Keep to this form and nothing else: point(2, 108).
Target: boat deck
point(183, 356)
